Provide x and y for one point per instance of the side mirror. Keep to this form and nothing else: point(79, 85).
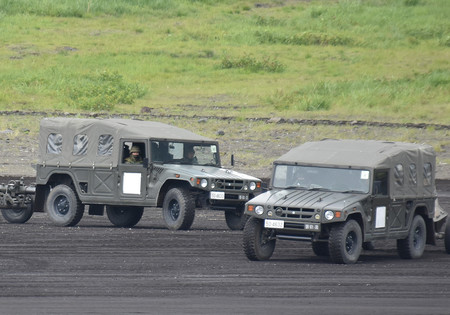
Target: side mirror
point(145, 162)
point(232, 160)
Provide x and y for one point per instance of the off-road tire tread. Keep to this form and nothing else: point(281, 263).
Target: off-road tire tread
point(71, 193)
point(186, 201)
point(447, 236)
point(235, 222)
point(251, 235)
point(320, 249)
point(131, 218)
point(405, 247)
point(17, 216)
point(336, 242)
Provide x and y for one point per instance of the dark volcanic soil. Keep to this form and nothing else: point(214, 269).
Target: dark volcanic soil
point(100, 269)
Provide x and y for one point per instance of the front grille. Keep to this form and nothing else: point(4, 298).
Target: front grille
point(229, 184)
point(158, 170)
point(294, 213)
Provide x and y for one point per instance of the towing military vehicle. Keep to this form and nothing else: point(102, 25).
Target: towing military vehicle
point(121, 166)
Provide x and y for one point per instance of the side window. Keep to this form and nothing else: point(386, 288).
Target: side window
point(380, 182)
point(413, 174)
point(105, 145)
point(427, 174)
point(54, 143)
point(80, 145)
point(399, 174)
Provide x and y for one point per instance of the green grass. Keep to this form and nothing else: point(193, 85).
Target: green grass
point(385, 60)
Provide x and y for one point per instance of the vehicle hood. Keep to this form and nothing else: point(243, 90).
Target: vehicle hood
point(307, 199)
point(210, 172)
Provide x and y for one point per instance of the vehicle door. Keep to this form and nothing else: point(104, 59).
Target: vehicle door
point(132, 170)
point(380, 204)
point(158, 156)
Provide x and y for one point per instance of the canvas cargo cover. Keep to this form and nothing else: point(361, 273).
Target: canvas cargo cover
point(370, 154)
point(95, 135)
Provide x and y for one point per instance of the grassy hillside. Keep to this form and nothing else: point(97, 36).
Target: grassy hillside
point(385, 60)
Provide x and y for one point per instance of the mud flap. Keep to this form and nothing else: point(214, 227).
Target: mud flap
point(439, 219)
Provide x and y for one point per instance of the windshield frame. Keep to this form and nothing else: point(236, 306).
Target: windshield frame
point(321, 178)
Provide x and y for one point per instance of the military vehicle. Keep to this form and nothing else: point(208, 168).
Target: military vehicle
point(341, 195)
point(86, 162)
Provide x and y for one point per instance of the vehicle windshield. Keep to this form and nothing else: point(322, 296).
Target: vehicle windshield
point(321, 178)
point(189, 153)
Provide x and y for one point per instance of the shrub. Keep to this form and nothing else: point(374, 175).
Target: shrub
point(304, 38)
point(252, 64)
point(103, 91)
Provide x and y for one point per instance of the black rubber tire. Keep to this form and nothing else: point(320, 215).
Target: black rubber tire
point(345, 242)
point(178, 209)
point(17, 215)
point(123, 216)
point(320, 249)
point(63, 206)
point(258, 242)
point(368, 245)
point(413, 245)
point(236, 220)
point(447, 236)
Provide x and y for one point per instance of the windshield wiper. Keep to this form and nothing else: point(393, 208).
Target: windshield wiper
point(353, 191)
point(318, 189)
point(295, 187)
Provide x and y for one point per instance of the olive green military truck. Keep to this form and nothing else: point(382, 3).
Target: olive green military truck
point(121, 166)
point(341, 195)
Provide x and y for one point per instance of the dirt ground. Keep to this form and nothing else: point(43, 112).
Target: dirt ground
point(99, 269)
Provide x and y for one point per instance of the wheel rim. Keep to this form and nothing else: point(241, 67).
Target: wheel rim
point(350, 242)
point(265, 237)
point(417, 238)
point(61, 205)
point(174, 209)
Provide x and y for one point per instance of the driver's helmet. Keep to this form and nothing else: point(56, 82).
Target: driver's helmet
point(134, 149)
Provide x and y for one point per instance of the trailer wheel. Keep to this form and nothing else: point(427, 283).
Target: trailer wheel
point(258, 242)
point(63, 206)
point(17, 215)
point(447, 236)
point(236, 220)
point(414, 244)
point(123, 216)
point(178, 209)
point(345, 242)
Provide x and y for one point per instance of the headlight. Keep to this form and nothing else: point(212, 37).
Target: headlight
point(204, 183)
point(213, 185)
point(329, 215)
point(259, 210)
point(252, 185)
